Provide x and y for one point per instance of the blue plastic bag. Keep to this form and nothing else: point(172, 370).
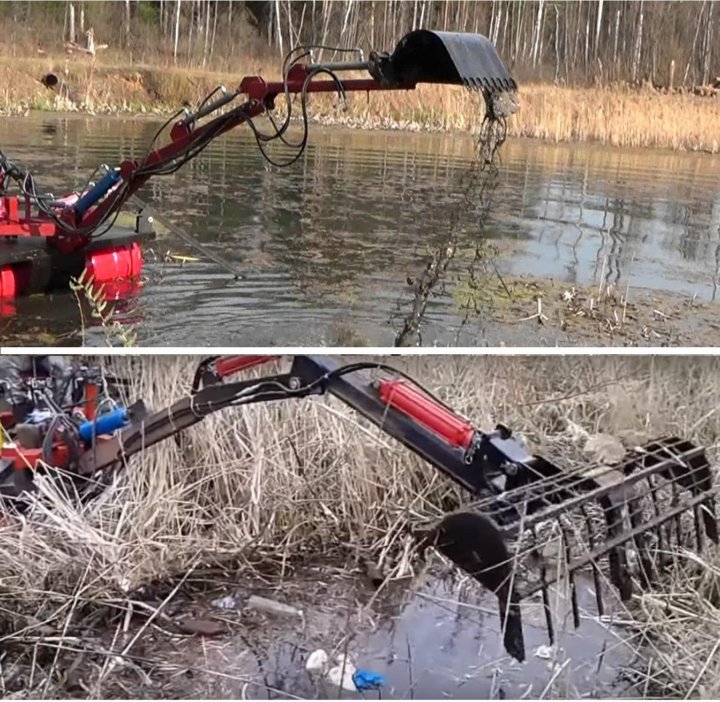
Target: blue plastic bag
point(367, 680)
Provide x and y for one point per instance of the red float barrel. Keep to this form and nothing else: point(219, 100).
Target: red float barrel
point(14, 280)
point(115, 263)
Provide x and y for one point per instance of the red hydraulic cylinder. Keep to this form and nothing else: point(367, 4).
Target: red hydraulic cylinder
point(234, 364)
point(423, 409)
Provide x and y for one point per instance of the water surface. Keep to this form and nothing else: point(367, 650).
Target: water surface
point(327, 246)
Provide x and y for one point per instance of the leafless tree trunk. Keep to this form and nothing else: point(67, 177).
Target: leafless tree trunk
point(177, 29)
point(279, 27)
point(638, 43)
point(214, 31)
point(72, 36)
point(694, 53)
point(617, 36)
point(206, 45)
point(538, 33)
point(193, 15)
point(126, 25)
point(556, 75)
point(708, 48)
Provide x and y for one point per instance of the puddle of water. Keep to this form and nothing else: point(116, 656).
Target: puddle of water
point(442, 640)
point(328, 244)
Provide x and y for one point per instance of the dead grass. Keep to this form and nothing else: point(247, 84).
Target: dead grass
point(619, 116)
point(259, 488)
point(615, 116)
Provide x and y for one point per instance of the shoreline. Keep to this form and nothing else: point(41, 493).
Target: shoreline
point(613, 116)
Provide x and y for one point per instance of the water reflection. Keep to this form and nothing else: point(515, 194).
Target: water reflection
point(331, 242)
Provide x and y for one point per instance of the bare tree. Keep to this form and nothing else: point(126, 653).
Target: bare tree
point(578, 41)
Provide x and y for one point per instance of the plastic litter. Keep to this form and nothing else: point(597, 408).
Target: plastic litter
point(262, 604)
point(544, 652)
point(342, 675)
point(227, 602)
point(317, 662)
point(367, 680)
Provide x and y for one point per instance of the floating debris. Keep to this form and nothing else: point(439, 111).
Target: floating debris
point(227, 602)
point(262, 604)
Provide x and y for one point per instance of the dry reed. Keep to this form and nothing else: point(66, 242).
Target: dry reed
point(613, 116)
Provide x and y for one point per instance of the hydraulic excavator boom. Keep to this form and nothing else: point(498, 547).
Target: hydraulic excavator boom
point(46, 240)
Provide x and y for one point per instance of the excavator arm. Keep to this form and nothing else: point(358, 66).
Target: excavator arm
point(422, 56)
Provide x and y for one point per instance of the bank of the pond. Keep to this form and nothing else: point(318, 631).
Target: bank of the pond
point(615, 115)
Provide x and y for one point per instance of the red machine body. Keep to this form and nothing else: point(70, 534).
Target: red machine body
point(31, 458)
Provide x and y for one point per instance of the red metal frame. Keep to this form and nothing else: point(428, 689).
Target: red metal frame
point(23, 458)
point(262, 97)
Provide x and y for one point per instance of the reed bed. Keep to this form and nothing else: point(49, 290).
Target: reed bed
point(614, 115)
point(259, 489)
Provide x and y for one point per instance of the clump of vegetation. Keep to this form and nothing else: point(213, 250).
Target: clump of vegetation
point(92, 297)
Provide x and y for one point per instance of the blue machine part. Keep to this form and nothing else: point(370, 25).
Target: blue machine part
point(104, 424)
point(96, 192)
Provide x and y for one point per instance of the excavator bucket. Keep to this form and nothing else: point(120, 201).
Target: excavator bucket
point(620, 523)
point(454, 58)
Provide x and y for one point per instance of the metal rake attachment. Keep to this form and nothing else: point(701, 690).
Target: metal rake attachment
point(548, 525)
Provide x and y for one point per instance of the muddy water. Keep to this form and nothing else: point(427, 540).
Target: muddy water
point(326, 247)
point(437, 639)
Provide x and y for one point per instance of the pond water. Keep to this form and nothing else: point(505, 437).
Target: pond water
point(326, 247)
point(438, 639)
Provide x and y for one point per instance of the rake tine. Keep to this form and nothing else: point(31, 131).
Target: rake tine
point(617, 557)
point(647, 572)
point(544, 590)
point(676, 521)
point(661, 531)
point(710, 519)
point(595, 570)
point(698, 530)
point(571, 577)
